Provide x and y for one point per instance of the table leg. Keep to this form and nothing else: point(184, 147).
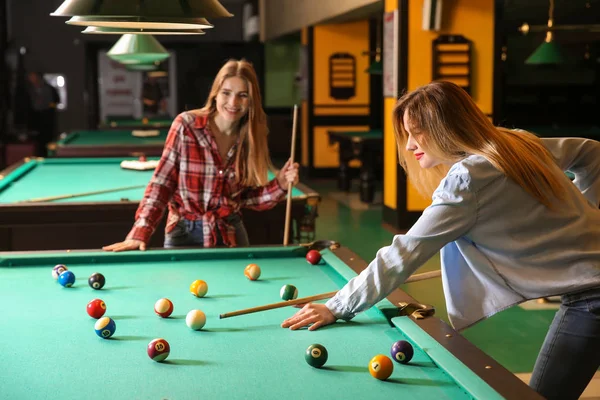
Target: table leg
point(367, 177)
point(344, 180)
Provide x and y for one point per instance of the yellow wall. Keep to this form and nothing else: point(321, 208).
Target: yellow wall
point(474, 19)
point(326, 155)
point(304, 111)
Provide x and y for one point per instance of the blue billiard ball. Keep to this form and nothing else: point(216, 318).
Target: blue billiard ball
point(67, 279)
point(105, 327)
point(402, 351)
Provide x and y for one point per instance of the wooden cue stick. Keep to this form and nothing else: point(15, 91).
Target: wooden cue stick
point(304, 300)
point(288, 207)
point(68, 196)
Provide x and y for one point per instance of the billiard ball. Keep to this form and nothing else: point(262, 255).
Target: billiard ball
point(288, 292)
point(199, 288)
point(381, 367)
point(57, 270)
point(402, 351)
point(159, 350)
point(252, 272)
point(144, 120)
point(163, 307)
point(316, 355)
point(195, 320)
point(313, 257)
point(96, 281)
point(105, 327)
point(67, 279)
point(96, 308)
point(143, 158)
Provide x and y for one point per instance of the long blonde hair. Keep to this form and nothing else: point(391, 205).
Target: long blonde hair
point(445, 119)
point(252, 160)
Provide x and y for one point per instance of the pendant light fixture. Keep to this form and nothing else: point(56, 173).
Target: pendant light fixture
point(141, 23)
point(549, 51)
point(159, 14)
point(142, 67)
point(137, 49)
point(96, 30)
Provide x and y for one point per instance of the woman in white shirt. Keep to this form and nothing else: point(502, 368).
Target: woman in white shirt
point(510, 226)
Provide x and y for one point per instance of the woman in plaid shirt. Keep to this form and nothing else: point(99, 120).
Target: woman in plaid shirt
point(214, 163)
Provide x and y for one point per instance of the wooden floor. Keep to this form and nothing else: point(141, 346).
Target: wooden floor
point(592, 392)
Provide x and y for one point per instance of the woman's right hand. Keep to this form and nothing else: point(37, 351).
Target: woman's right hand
point(129, 244)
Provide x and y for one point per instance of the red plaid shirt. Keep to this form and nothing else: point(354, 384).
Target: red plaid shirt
point(195, 184)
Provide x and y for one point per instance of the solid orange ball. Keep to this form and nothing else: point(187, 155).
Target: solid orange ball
point(252, 272)
point(381, 367)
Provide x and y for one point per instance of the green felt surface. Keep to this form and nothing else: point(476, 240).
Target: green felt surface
point(62, 176)
point(110, 137)
point(51, 349)
point(358, 135)
point(126, 122)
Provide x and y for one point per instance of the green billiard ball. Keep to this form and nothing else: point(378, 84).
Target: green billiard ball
point(288, 292)
point(316, 355)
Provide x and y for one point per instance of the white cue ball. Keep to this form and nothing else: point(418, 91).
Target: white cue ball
point(195, 319)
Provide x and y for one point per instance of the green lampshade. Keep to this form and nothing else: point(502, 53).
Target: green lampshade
point(376, 68)
point(141, 23)
point(97, 30)
point(147, 8)
point(137, 49)
point(546, 53)
point(142, 67)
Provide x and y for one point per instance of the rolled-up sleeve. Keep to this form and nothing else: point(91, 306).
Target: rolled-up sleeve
point(452, 213)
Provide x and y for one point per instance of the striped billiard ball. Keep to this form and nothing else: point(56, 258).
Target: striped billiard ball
point(163, 307)
point(288, 292)
point(252, 272)
point(57, 270)
point(159, 350)
point(105, 327)
point(199, 288)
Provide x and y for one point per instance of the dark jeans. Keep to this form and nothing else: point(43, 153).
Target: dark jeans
point(570, 355)
point(191, 233)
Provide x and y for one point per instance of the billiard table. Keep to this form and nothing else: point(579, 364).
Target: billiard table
point(133, 123)
point(107, 143)
point(98, 219)
point(366, 146)
point(50, 349)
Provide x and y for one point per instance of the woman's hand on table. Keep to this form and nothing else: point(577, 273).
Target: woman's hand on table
point(129, 244)
point(312, 313)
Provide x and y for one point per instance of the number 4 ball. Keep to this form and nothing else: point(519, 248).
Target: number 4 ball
point(313, 257)
point(159, 350)
point(402, 351)
point(96, 281)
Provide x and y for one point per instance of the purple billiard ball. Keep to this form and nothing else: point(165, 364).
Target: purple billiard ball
point(402, 351)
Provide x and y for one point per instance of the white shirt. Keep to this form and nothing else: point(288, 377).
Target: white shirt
point(499, 245)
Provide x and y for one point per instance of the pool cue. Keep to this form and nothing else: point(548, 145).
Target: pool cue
point(70, 196)
point(304, 300)
point(288, 208)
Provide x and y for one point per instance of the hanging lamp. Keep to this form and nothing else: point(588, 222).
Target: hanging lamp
point(137, 49)
point(549, 51)
point(96, 30)
point(142, 67)
point(145, 13)
point(141, 23)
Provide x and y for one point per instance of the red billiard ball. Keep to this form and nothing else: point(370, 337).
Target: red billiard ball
point(313, 257)
point(143, 158)
point(163, 307)
point(96, 308)
point(159, 349)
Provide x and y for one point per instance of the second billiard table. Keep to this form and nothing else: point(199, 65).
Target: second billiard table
point(107, 143)
point(50, 349)
point(100, 218)
point(133, 123)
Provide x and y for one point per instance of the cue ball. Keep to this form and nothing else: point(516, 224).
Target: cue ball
point(252, 272)
point(57, 270)
point(67, 279)
point(105, 327)
point(288, 292)
point(163, 307)
point(313, 257)
point(96, 308)
point(381, 367)
point(316, 355)
point(159, 350)
point(199, 288)
point(96, 281)
point(402, 351)
point(195, 320)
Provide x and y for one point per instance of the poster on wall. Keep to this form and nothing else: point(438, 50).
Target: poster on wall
point(390, 54)
point(136, 94)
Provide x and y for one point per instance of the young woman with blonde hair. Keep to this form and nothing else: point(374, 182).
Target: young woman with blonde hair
point(510, 226)
point(214, 163)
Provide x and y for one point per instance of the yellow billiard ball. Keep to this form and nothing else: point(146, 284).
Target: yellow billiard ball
point(381, 367)
point(199, 288)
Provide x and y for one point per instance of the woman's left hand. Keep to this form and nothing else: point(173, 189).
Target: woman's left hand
point(288, 174)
